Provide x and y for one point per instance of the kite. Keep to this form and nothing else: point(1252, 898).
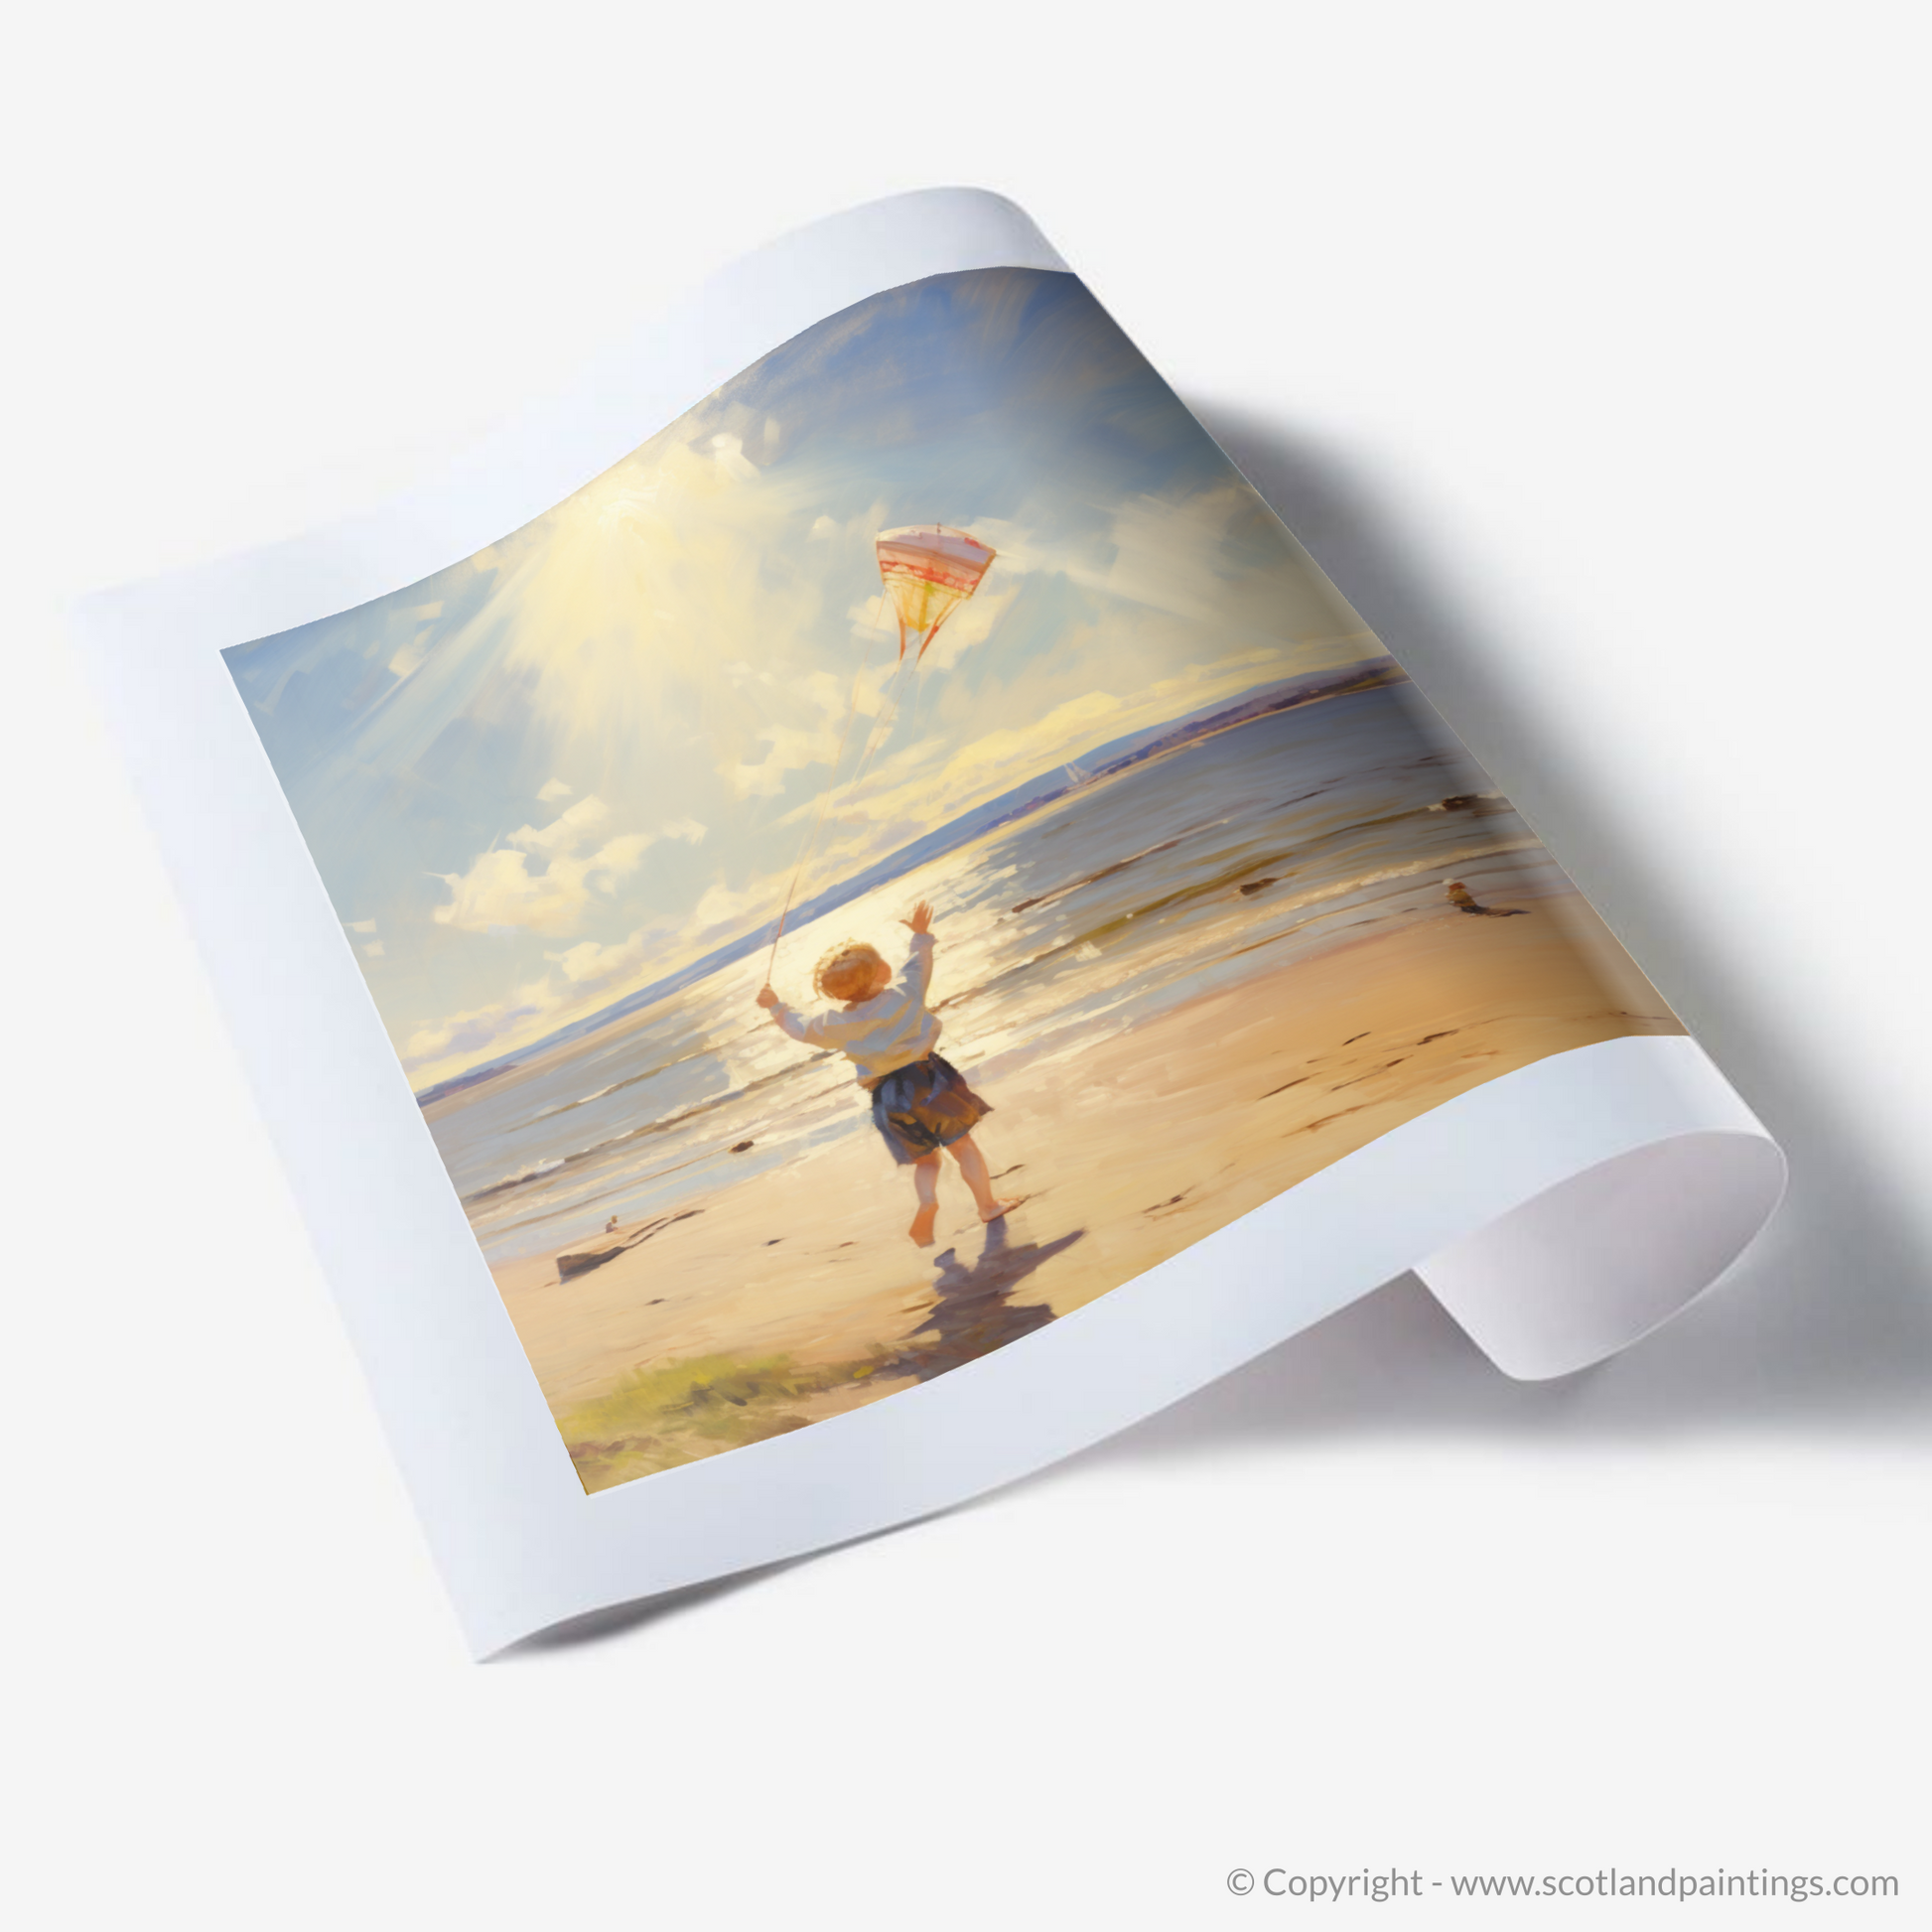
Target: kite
point(929, 571)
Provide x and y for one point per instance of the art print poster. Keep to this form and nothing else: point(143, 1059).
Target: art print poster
point(908, 849)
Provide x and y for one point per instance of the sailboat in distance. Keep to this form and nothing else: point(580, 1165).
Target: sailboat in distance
point(929, 571)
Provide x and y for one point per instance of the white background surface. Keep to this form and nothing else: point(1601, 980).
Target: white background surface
point(1586, 352)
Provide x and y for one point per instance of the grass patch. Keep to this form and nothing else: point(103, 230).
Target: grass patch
point(677, 1412)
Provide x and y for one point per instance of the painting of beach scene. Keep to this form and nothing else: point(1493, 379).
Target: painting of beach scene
point(910, 848)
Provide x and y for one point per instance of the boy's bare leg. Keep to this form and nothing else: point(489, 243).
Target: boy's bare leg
point(925, 1179)
point(972, 1166)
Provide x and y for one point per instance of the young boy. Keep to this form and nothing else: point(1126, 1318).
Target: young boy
point(921, 1103)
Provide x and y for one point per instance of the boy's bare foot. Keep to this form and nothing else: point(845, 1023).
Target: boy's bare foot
point(921, 1228)
point(999, 1210)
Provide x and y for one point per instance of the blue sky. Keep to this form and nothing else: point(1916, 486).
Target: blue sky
point(571, 764)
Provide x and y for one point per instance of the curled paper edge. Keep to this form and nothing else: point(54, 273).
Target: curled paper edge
point(1559, 1211)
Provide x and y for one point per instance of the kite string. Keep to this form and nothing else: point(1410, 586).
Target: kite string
point(919, 658)
point(882, 726)
point(825, 798)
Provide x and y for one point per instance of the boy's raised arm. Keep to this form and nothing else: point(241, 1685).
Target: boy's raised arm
point(917, 974)
point(787, 1020)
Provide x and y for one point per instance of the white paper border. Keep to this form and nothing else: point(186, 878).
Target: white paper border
point(519, 1543)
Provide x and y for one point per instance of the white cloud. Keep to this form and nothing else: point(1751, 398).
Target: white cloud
point(1172, 557)
point(1168, 556)
point(728, 452)
point(1016, 549)
point(873, 617)
point(373, 950)
point(441, 1046)
point(724, 907)
point(840, 699)
point(499, 890)
point(790, 751)
point(564, 832)
point(593, 975)
point(914, 786)
point(794, 747)
point(553, 790)
point(589, 964)
point(361, 926)
point(409, 655)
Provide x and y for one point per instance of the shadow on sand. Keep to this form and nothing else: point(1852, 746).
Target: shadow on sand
point(973, 1315)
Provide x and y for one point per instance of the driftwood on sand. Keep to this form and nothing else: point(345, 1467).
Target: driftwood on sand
point(1466, 901)
point(606, 1247)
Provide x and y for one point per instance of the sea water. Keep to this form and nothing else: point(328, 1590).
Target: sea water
point(1115, 902)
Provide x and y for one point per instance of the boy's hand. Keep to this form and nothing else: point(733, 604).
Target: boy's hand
point(922, 920)
point(767, 998)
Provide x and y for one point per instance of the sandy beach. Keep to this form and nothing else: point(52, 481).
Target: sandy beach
point(763, 1307)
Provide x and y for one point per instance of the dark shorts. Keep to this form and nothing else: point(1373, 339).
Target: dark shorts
point(919, 1109)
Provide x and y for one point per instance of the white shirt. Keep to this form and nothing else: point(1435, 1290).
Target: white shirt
point(890, 1030)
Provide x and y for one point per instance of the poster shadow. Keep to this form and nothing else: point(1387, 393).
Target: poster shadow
point(1824, 1324)
point(1824, 1329)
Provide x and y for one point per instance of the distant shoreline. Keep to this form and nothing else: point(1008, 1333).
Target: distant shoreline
point(1021, 801)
